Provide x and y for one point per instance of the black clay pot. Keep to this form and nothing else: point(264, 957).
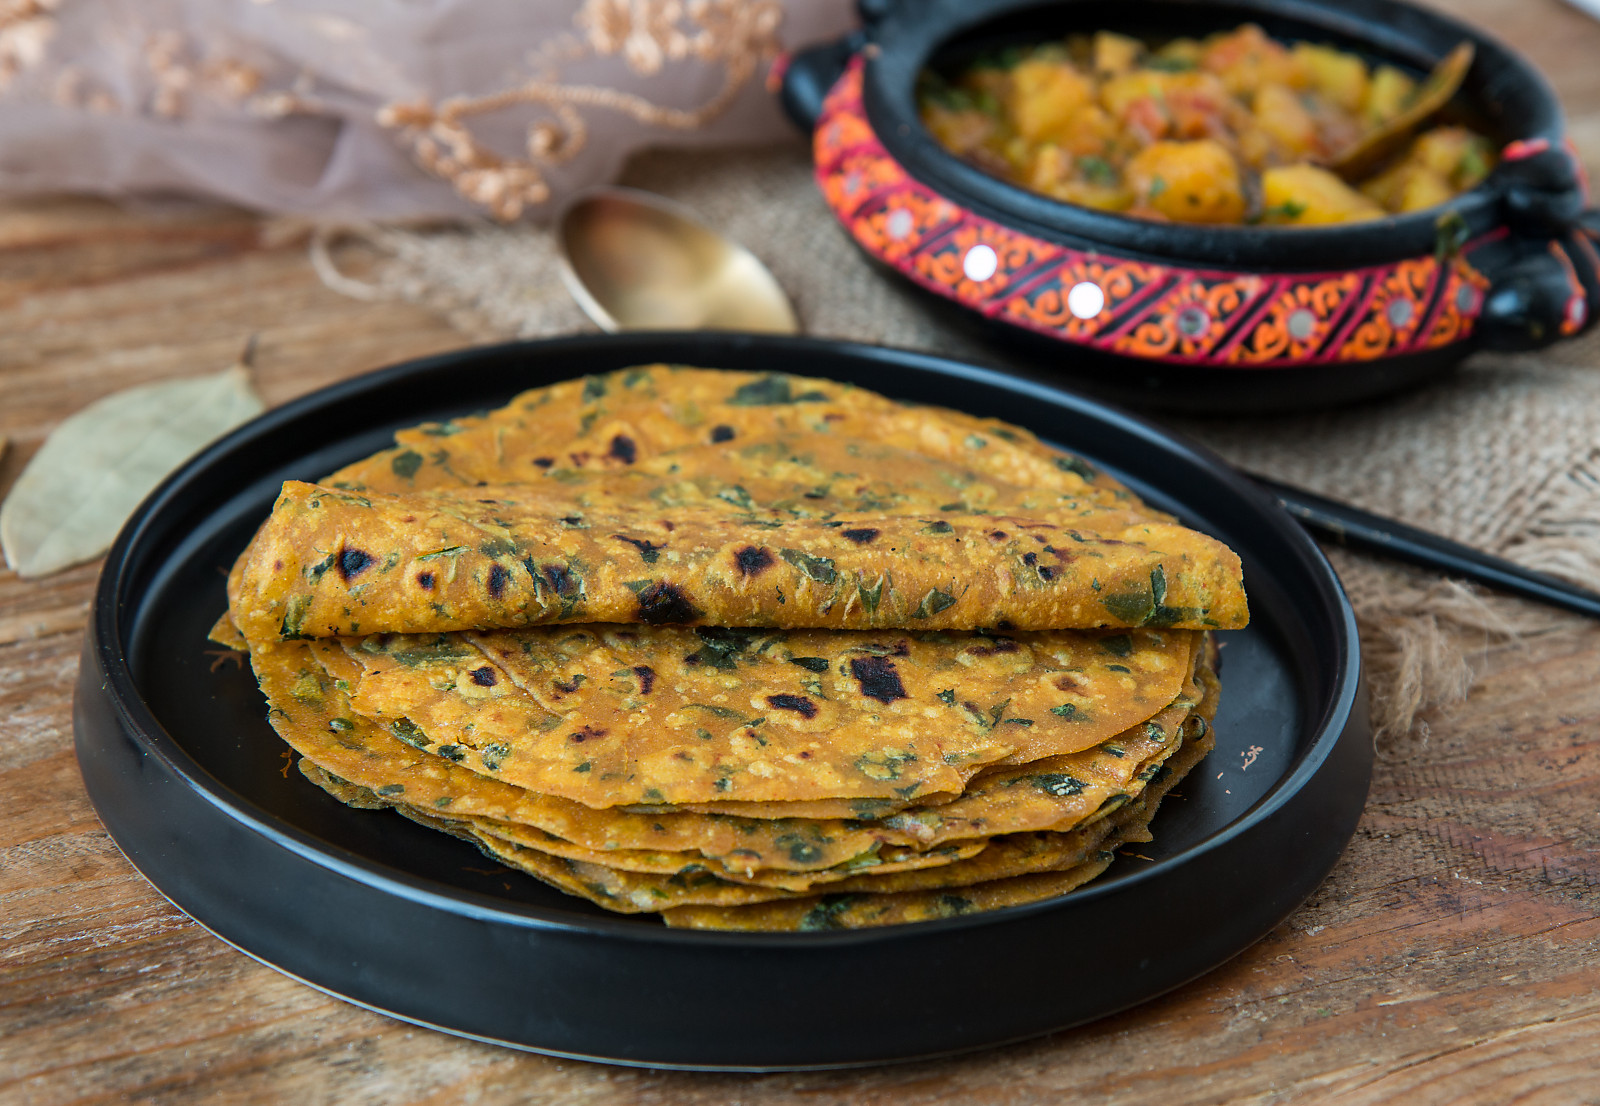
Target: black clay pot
point(1236, 319)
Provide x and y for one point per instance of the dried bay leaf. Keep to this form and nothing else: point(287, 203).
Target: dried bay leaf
point(96, 467)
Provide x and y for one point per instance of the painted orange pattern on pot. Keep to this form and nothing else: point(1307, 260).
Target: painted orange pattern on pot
point(1577, 309)
point(1193, 318)
point(859, 178)
point(1459, 303)
point(1044, 305)
point(838, 131)
point(894, 229)
point(1144, 309)
point(1394, 312)
point(841, 132)
point(1298, 322)
point(979, 259)
point(1585, 240)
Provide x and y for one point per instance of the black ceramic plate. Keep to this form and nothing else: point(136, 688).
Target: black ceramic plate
point(199, 793)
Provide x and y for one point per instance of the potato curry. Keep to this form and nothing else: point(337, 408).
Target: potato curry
point(1236, 128)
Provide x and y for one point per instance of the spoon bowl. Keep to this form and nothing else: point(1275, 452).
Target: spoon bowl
point(636, 261)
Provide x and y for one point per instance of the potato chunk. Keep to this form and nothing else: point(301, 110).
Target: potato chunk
point(1280, 114)
point(1387, 94)
point(961, 131)
point(1304, 195)
point(1105, 197)
point(1114, 53)
point(1456, 154)
point(1188, 182)
point(1339, 76)
point(1118, 94)
point(1045, 94)
point(1246, 59)
point(1425, 189)
point(1440, 164)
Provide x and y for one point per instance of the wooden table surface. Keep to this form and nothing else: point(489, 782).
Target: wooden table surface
point(1453, 955)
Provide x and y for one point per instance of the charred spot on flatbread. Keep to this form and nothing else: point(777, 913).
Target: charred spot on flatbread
point(801, 705)
point(753, 560)
point(558, 577)
point(353, 562)
point(497, 580)
point(623, 449)
point(878, 678)
point(662, 602)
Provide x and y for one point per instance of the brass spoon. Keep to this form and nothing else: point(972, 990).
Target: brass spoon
point(636, 261)
point(1358, 159)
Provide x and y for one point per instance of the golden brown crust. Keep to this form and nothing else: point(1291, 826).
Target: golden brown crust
point(311, 710)
point(331, 562)
point(1020, 871)
point(627, 419)
point(684, 437)
point(616, 716)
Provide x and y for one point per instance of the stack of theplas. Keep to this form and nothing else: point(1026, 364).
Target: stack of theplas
point(750, 651)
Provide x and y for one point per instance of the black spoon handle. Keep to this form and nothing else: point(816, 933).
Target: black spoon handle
point(1352, 526)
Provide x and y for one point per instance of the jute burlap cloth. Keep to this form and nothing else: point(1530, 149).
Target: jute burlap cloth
point(1503, 455)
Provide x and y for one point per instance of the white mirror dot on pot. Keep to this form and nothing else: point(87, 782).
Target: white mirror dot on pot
point(980, 263)
point(1086, 300)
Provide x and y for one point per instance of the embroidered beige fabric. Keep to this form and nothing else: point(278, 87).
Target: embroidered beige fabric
point(380, 109)
point(1503, 455)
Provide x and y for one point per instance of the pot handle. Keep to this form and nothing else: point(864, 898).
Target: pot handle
point(1544, 277)
point(813, 71)
point(811, 74)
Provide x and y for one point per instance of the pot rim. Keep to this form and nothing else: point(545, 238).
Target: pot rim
point(908, 37)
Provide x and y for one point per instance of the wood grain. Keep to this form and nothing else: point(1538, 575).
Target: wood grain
point(1453, 955)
